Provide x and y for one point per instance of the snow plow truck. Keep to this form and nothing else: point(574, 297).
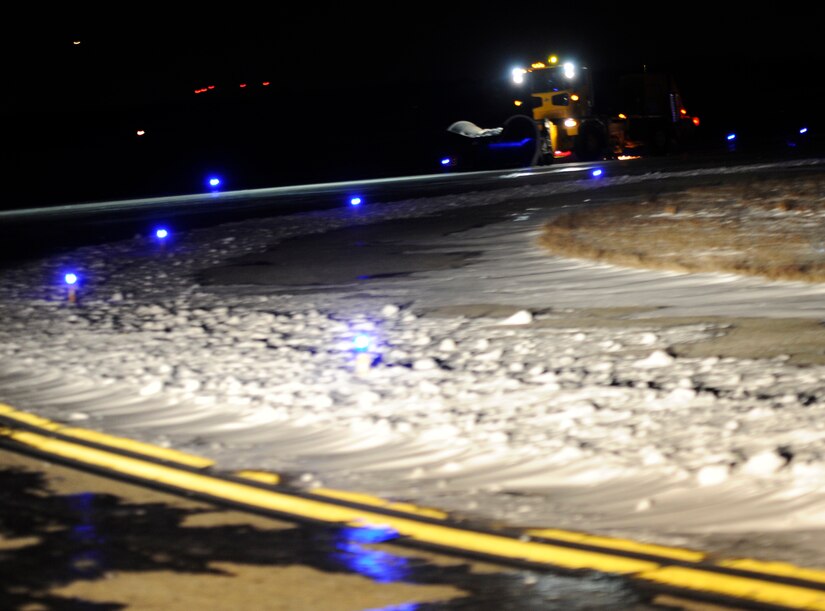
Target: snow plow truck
point(561, 110)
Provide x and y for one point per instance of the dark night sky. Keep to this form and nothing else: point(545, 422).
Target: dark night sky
point(303, 50)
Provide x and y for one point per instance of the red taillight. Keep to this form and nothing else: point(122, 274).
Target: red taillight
point(696, 121)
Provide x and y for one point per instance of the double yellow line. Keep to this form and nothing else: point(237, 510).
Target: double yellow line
point(745, 583)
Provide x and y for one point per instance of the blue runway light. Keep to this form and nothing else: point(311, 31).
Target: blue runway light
point(161, 233)
point(731, 137)
point(355, 201)
point(361, 342)
point(70, 278)
point(803, 130)
point(445, 161)
point(214, 182)
point(597, 172)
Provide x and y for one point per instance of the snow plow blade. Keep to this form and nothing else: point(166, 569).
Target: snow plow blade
point(513, 145)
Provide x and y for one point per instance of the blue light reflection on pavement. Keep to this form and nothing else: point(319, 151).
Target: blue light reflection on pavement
point(89, 561)
point(380, 566)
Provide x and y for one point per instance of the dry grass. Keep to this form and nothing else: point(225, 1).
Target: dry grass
point(770, 228)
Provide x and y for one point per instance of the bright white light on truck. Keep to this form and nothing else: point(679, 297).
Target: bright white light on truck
point(570, 123)
point(569, 70)
point(518, 75)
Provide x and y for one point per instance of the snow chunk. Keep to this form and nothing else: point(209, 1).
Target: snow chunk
point(711, 475)
point(680, 396)
point(367, 398)
point(763, 464)
point(424, 364)
point(522, 317)
point(447, 345)
point(652, 456)
point(658, 358)
point(319, 401)
point(390, 311)
point(648, 339)
point(152, 388)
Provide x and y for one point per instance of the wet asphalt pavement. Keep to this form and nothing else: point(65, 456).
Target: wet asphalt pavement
point(73, 540)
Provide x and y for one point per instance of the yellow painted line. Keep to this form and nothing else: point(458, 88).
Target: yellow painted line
point(264, 477)
point(780, 569)
point(627, 545)
point(793, 597)
point(434, 534)
point(129, 445)
point(368, 499)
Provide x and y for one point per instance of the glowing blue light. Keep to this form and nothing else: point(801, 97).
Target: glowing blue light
point(597, 172)
point(378, 565)
point(355, 201)
point(70, 278)
point(162, 233)
point(361, 342)
point(510, 144)
point(446, 161)
point(731, 137)
point(369, 534)
point(214, 182)
point(804, 130)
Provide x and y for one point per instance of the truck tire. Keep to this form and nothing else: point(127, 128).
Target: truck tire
point(660, 142)
point(591, 142)
point(519, 144)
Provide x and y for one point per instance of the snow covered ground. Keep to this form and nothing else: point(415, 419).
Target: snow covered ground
point(503, 388)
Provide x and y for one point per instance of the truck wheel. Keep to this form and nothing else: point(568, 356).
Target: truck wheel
point(546, 158)
point(659, 142)
point(519, 144)
point(591, 143)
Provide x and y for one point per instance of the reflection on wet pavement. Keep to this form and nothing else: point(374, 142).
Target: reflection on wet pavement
point(50, 541)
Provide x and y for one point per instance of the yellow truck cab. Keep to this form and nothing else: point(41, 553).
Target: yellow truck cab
point(635, 112)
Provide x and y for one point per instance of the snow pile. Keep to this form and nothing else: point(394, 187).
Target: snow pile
point(523, 414)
